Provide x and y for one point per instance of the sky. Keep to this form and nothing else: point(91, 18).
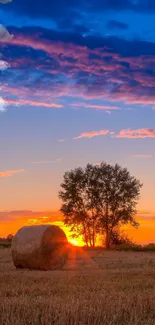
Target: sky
point(77, 85)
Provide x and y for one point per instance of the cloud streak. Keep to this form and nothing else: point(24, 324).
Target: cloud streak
point(3, 65)
point(142, 156)
point(44, 162)
point(5, 1)
point(9, 173)
point(5, 36)
point(3, 105)
point(98, 107)
point(136, 134)
point(44, 216)
point(32, 103)
point(124, 134)
point(92, 134)
point(115, 24)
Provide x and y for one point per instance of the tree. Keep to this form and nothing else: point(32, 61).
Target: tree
point(118, 237)
point(9, 237)
point(79, 203)
point(97, 199)
point(118, 194)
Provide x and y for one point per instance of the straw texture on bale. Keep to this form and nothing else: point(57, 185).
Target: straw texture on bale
point(41, 247)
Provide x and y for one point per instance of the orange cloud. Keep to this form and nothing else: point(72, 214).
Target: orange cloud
point(32, 103)
point(91, 134)
point(17, 215)
point(138, 133)
point(11, 221)
point(9, 173)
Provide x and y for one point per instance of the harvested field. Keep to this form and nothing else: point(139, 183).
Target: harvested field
point(94, 288)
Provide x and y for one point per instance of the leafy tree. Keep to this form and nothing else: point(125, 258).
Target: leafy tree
point(97, 199)
point(79, 203)
point(118, 237)
point(118, 194)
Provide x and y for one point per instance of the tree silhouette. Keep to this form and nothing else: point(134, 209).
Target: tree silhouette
point(9, 237)
point(97, 199)
point(79, 206)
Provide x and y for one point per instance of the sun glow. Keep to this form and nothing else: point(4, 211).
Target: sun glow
point(74, 242)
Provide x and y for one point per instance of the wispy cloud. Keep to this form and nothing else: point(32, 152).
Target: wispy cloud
point(33, 103)
point(61, 140)
point(137, 133)
point(115, 24)
point(9, 173)
point(5, 1)
point(93, 106)
point(3, 65)
point(31, 216)
point(5, 36)
point(3, 105)
point(91, 134)
point(142, 156)
point(125, 133)
point(42, 162)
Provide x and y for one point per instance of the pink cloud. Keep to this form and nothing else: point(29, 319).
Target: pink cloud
point(91, 134)
point(112, 78)
point(57, 48)
point(9, 173)
point(125, 133)
point(32, 103)
point(100, 107)
point(35, 94)
point(138, 133)
point(3, 65)
point(2, 105)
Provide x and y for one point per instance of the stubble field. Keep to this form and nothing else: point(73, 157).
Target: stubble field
point(95, 288)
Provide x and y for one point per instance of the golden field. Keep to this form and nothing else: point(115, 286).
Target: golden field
point(95, 288)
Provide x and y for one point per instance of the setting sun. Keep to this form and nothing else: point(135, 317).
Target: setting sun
point(74, 242)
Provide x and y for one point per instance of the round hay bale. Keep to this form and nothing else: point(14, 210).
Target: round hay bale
point(41, 247)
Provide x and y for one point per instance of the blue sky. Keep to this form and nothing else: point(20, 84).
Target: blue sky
point(77, 85)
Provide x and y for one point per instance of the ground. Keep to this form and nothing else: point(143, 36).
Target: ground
point(95, 288)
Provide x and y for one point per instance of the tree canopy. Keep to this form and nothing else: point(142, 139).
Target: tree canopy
point(98, 199)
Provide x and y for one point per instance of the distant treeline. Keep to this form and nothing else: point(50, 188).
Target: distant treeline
point(6, 241)
point(138, 248)
point(127, 247)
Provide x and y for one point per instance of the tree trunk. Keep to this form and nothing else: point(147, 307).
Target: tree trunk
point(107, 234)
point(93, 234)
point(85, 236)
point(107, 240)
point(93, 241)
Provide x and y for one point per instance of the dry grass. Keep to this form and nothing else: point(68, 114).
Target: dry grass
point(112, 288)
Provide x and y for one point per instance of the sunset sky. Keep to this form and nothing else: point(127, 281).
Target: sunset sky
point(77, 85)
